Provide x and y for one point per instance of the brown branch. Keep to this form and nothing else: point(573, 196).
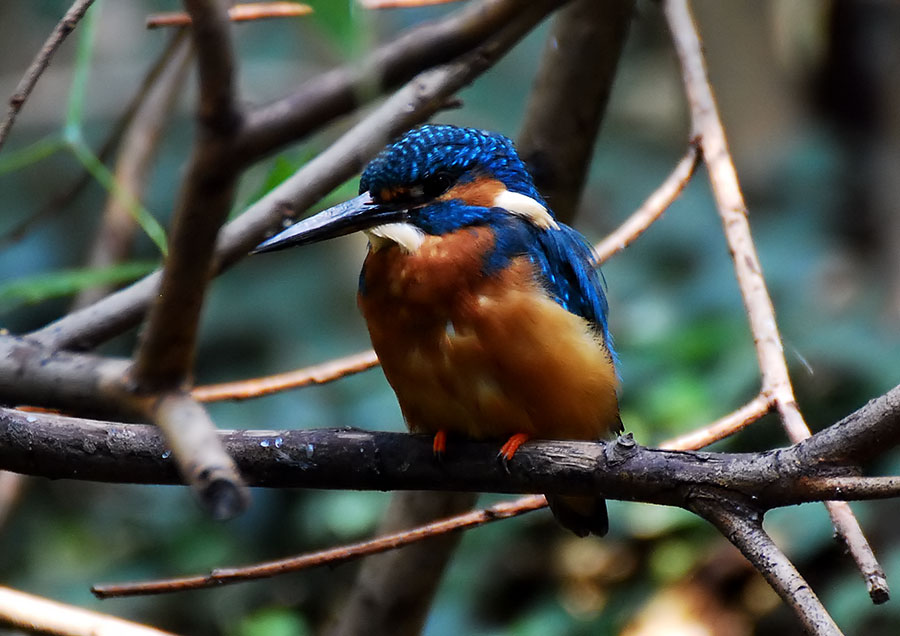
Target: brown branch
point(27, 613)
point(317, 374)
point(414, 103)
point(236, 13)
point(77, 382)
point(569, 98)
point(730, 203)
point(57, 446)
point(332, 556)
point(743, 527)
point(651, 209)
point(164, 356)
point(723, 427)
point(201, 457)
point(41, 61)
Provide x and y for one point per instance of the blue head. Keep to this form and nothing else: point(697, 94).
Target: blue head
point(436, 178)
point(427, 161)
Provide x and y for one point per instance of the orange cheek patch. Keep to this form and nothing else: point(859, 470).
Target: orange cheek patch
point(480, 192)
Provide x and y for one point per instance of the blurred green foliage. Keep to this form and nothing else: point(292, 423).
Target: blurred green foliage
point(680, 329)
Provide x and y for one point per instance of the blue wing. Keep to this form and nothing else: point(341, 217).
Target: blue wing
point(566, 262)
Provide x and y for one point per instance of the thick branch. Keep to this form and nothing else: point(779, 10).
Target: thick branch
point(62, 447)
point(743, 527)
point(569, 98)
point(164, 358)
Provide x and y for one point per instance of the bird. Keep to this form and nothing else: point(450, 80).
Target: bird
point(486, 312)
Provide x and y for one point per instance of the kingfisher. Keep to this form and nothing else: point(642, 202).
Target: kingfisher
point(487, 313)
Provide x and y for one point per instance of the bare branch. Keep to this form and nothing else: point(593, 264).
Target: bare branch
point(569, 97)
point(164, 358)
point(236, 13)
point(78, 382)
point(653, 208)
point(56, 446)
point(743, 527)
point(331, 557)
point(316, 374)
point(200, 455)
point(40, 62)
point(37, 615)
point(732, 209)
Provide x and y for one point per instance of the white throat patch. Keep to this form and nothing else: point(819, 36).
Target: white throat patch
point(524, 206)
point(408, 237)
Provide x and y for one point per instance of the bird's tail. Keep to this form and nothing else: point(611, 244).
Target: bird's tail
point(581, 515)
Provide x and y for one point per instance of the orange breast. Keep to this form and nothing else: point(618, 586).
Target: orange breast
point(484, 357)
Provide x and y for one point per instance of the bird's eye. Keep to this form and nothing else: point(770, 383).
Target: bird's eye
point(437, 184)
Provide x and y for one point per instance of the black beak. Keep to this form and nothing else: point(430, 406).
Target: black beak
point(357, 214)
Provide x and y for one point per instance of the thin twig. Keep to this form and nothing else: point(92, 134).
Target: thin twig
point(258, 387)
point(41, 61)
point(37, 615)
point(236, 13)
point(332, 556)
point(730, 203)
point(721, 428)
point(653, 208)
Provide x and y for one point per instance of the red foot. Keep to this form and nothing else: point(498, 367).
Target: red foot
point(512, 445)
point(439, 445)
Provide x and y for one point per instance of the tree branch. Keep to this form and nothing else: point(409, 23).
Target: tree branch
point(743, 527)
point(40, 63)
point(569, 98)
point(56, 446)
point(732, 209)
point(37, 615)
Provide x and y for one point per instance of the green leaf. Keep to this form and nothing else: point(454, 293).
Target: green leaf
point(83, 55)
point(32, 153)
point(102, 174)
point(35, 289)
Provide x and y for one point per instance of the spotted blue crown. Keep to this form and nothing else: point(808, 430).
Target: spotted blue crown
point(461, 153)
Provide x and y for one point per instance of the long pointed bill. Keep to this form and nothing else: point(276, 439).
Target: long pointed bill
point(360, 213)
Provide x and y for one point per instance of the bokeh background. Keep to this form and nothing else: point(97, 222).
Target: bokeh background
point(810, 98)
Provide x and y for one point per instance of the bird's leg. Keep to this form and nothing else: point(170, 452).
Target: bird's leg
point(439, 445)
point(511, 446)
